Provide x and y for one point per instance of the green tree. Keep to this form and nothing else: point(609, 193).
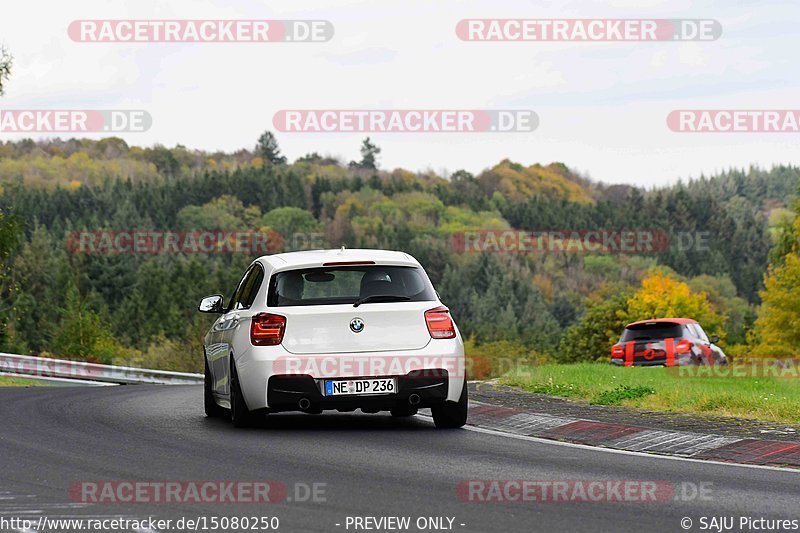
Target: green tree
point(785, 233)
point(10, 233)
point(9, 238)
point(721, 292)
point(268, 149)
point(164, 160)
point(225, 213)
point(82, 333)
point(369, 156)
point(298, 227)
point(599, 327)
point(6, 62)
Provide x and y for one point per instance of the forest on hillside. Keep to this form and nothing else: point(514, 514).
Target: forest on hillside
point(554, 305)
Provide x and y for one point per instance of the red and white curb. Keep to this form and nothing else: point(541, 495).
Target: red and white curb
point(634, 438)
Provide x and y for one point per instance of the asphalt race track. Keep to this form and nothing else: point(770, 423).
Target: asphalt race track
point(371, 465)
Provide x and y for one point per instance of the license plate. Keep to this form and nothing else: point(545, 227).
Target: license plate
point(360, 386)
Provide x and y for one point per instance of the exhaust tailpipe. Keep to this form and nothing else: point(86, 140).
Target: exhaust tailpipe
point(304, 404)
point(414, 399)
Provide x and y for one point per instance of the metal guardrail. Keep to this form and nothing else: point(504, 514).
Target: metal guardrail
point(42, 367)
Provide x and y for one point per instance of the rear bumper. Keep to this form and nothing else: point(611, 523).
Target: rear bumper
point(680, 360)
point(284, 393)
point(261, 369)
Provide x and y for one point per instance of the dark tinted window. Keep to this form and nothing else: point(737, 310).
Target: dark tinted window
point(248, 287)
point(345, 285)
point(237, 294)
point(657, 330)
point(251, 287)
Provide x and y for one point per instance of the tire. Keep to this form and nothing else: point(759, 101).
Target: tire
point(240, 414)
point(449, 415)
point(213, 410)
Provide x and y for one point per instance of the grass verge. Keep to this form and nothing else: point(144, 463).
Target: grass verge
point(7, 381)
point(661, 389)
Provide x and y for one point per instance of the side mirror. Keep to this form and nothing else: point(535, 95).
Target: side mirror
point(211, 304)
point(714, 339)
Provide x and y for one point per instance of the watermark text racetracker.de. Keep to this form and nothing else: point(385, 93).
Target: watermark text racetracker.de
point(355, 365)
point(178, 492)
point(113, 242)
point(74, 120)
point(734, 120)
point(542, 241)
point(623, 241)
point(404, 120)
point(761, 367)
point(588, 30)
point(200, 31)
point(581, 491)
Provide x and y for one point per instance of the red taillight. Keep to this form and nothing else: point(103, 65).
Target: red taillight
point(684, 346)
point(617, 351)
point(440, 325)
point(267, 329)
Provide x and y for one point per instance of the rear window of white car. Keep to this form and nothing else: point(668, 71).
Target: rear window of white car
point(348, 284)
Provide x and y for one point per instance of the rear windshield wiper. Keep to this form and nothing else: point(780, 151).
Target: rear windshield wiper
point(381, 298)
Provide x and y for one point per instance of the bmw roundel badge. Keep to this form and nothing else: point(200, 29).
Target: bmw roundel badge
point(356, 325)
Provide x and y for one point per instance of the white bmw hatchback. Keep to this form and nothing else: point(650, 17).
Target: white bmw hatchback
point(334, 330)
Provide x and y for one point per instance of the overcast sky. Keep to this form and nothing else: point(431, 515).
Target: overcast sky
point(602, 106)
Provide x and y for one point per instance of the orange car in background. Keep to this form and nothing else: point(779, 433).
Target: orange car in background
point(666, 342)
